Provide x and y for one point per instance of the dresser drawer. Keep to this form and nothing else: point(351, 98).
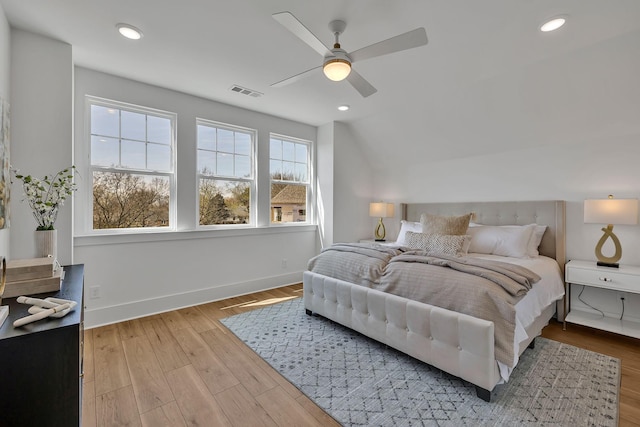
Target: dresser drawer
point(603, 278)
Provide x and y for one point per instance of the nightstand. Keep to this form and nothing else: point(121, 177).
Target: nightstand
point(587, 273)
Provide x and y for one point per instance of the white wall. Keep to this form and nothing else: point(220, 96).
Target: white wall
point(143, 274)
point(325, 188)
point(41, 130)
point(353, 179)
point(5, 56)
point(344, 186)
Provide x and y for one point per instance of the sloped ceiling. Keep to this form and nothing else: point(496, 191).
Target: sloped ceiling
point(487, 81)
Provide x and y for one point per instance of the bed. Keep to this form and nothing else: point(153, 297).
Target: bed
point(457, 343)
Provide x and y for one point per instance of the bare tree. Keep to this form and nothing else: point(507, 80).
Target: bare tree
point(213, 209)
point(123, 200)
point(242, 195)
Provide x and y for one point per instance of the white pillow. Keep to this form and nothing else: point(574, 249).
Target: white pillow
point(511, 241)
point(405, 226)
point(534, 240)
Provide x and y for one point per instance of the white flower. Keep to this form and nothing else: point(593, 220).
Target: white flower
point(46, 195)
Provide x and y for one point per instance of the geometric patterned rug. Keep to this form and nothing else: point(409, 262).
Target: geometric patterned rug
point(361, 382)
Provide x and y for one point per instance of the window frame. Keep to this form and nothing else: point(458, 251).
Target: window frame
point(252, 180)
point(309, 207)
point(91, 168)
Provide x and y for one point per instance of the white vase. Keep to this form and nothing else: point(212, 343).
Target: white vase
point(47, 243)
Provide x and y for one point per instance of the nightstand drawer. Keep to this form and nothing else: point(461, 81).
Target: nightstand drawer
point(603, 278)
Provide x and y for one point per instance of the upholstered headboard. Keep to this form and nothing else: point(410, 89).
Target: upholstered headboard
point(544, 212)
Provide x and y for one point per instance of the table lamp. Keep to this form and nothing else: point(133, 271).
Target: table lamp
point(380, 210)
point(610, 211)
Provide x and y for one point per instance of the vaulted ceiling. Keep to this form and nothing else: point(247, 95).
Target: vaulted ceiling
point(487, 81)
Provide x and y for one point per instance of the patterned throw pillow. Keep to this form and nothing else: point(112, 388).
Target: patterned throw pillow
point(449, 225)
point(436, 243)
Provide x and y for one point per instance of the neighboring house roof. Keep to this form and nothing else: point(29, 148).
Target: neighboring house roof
point(291, 194)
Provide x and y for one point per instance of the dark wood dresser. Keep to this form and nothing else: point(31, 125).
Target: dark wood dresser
point(41, 363)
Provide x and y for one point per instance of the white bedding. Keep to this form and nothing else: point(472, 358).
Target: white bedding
point(544, 292)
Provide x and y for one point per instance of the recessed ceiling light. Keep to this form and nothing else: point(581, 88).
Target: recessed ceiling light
point(343, 107)
point(129, 31)
point(553, 24)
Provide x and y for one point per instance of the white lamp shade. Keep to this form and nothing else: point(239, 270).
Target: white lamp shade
point(611, 211)
point(381, 210)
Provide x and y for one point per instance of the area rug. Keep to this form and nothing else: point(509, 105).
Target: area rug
point(361, 382)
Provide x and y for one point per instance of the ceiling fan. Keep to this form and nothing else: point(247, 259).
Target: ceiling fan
point(337, 62)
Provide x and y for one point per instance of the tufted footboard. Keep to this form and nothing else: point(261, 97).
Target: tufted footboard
point(456, 343)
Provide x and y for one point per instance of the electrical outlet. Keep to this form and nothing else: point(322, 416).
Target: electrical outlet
point(284, 263)
point(94, 292)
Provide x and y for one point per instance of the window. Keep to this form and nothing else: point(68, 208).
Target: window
point(290, 179)
point(132, 166)
point(226, 183)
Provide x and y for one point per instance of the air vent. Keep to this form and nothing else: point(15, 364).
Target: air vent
point(245, 91)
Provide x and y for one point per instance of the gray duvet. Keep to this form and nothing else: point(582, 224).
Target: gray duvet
point(359, 263)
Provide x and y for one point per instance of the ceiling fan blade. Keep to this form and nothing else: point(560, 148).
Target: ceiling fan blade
point(292, 24)
point(360, 84)
point(295, 78)
point(409, 40)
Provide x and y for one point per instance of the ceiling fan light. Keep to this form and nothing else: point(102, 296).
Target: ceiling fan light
point(336, 69)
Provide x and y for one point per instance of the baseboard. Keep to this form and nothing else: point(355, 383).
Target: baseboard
point(136, 309)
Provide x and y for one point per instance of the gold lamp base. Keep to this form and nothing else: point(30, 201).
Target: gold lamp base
point(380, 232)
point(611, 261)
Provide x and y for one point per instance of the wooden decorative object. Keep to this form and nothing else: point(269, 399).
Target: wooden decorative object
point(31, 276)
point(25, 269)
point(33, 286)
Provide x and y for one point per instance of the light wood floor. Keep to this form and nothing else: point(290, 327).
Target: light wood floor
point(183, 368)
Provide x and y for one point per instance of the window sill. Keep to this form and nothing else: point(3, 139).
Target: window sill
point(159, 236)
